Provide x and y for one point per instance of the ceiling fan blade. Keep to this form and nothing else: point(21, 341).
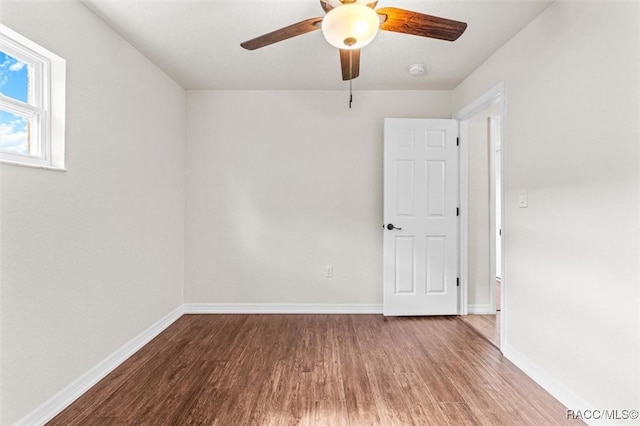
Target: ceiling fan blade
point(283, 33)
point(408, 22)
point(350, 62)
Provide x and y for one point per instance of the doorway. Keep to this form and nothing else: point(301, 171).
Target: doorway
point(495, 164)
point(481, 225)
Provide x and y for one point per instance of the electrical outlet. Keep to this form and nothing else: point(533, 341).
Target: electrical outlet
point(328, 271)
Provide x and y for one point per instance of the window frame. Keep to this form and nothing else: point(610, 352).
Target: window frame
point(45, 107)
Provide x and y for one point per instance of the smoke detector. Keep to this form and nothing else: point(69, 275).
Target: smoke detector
point(417, 70)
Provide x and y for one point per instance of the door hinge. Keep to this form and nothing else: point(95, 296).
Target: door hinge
point(457, 211)
point(457, 282)
point(457, 141)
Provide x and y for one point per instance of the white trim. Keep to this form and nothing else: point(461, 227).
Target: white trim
point(495, 128)
point(495, 95)
point(33, 166)
point(491, 139)
point(46, 106)
point(75, 389)
point(463, 196)
point(484, 309)
point(78, 387)
point(281, 308)
point(57, 122)
point(558, 390)
point(61, 400)
point(503, 215)
point(490, 97)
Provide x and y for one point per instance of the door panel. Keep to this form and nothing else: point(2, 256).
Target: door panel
point(436, 260)
point(435, 188)
point(405, 255)
point(420, 200)
point(405, 191)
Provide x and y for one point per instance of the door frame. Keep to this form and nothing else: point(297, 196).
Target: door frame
point(495, 95)
point(493, 123)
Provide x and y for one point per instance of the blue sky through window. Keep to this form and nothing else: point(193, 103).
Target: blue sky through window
point(14, 83)
point(14, 78)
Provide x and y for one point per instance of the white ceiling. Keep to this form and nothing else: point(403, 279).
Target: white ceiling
point(197, 42)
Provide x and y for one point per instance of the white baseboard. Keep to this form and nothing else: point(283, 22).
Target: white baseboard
point(73, 391)
point(558, 390)
point(61, 400)
point(480, 309)
point(280, 308)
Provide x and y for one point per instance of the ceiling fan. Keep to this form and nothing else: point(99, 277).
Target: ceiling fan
point(350, 25)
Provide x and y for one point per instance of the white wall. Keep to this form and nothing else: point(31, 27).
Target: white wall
point(281, 184)
point(572, 84)
point(92, 256)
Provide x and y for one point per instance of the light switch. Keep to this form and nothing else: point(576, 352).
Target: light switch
point(328, 271)
point(523, 201)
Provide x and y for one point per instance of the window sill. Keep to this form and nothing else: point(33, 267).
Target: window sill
point(33, 166)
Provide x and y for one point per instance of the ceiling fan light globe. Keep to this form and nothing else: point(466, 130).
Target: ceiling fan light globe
point(350, 26)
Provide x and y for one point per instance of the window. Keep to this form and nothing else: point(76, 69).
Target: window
point(32, 103)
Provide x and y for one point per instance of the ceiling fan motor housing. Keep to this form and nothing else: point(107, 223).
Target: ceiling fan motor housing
point(350, 26)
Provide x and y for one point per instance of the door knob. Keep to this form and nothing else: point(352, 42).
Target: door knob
point(390, 227)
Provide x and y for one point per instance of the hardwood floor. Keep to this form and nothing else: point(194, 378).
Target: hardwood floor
point(316, 370)
point(487, 325)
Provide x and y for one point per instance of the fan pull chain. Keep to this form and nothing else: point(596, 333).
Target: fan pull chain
point(351, 79)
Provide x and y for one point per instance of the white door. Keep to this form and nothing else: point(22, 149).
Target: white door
point(420, 217)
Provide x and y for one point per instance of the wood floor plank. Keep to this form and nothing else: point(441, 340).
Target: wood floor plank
point(487, 325)
point(316, 370)
point(359, 400)
point(459, 413)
